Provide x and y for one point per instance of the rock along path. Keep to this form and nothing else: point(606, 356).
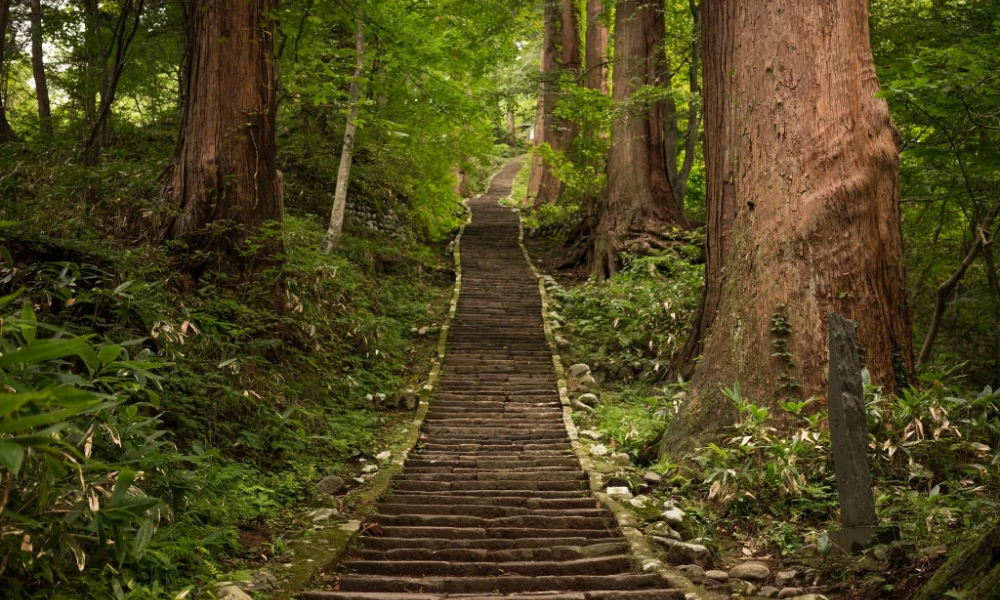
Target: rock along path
point(494, 502)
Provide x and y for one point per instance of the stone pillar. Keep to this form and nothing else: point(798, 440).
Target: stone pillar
point(849, 439)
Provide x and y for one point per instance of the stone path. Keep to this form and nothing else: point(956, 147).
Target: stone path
point(493, 501)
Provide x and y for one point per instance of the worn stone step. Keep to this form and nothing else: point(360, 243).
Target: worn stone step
point(549, 552)
point(532, 502)
point(602, 565)
point(383, 544)
point(501, 585)
point(475, 533)
point(642, 594)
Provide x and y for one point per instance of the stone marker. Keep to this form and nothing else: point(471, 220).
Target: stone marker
point(849, 439)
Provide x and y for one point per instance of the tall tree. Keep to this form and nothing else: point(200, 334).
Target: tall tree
point(38, 69)
point(115, 59)
point(635, 210)
point(224, 178)
point(347, 153)
point(596, 48)
point(6, 131)
point(562, 52)
point(809, 221)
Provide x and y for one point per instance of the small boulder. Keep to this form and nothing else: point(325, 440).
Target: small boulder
point(331, 485)
point(599, 450)
point(619, 492)
point(693, 570)
point(581, 406)
point(750, 571)
point(652, 477)
point(410, 399)
point(588, 383)
point(384, 456)
point(769, 591)
point(231, 592)
point(592, 434)
point(639, 501)
point(562, 342)
point(783, 578)
point(790, 592)
point(720, 576)
point(423, 331)
point(321, 514)
point(741, 587)
point(263, 580)
point(673, 516)
point(588, 399)
point(685, 553)
point(579, 370)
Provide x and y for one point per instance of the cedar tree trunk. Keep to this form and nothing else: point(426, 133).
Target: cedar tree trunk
point(634, 213)
point(562, 44)
point(38, 69)
point(224, 179)
point(804, 215)
point(6, 131)
point(596, 60)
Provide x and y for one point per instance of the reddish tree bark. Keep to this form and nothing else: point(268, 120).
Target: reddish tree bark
point(224, 180)
point(38, 69)
point(635, 211)
point(596, 60)
point(6, 131)
point(805, 169)
point(562, 44)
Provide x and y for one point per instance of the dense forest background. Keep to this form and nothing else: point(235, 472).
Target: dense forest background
point(225, 232)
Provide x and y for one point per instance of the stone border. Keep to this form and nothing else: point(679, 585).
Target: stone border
point(328, 549)
point(638, 544)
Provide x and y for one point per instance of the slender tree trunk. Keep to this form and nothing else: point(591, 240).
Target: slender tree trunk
point(511, 127)
point(92, 39)
point(124, 36)
point(991, 274)
point(344, 173)
point(662, 115)
point(535, 175)
point(548, 133)
point(38, 69)
point(679, 172)
point(6, 131)
point(817, 228)
point(224, 181)
point(631, 214)
point(561, 18)
point(948, 286)
point(596, 59)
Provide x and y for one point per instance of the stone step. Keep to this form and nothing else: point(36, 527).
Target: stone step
point(477, 533)
point(642, 594)
point(602, 565)
point(487, 512)
point(549, 552)
point(497, 585)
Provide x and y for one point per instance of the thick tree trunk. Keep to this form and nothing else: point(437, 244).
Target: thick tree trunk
point(562, 44)
point(631, 211)
point(817, 225)
point(596, 59)
point(535, 175)
point(38, 69)
point(662, 115)
point(718, 36)
point(6, 131)
point(347, 154)
point(224, 179)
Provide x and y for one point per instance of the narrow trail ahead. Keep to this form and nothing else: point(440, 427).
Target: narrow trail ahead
point(494, 501)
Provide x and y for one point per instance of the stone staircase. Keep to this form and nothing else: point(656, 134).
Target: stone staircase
point(493, 501)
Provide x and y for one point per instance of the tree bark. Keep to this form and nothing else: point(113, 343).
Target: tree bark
point(224, 179)
point(562, 39)
point(679, 172)
point(632, 209)
point(535, 175)
point(991, 274)
point(718, 35)
point(948, 286)
point(596, 59)
point(511, 127)
point(347, 155)
point(813, 203)
point(38, 69)
point(6, 131)
point(122, 38)
point(973, 570)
